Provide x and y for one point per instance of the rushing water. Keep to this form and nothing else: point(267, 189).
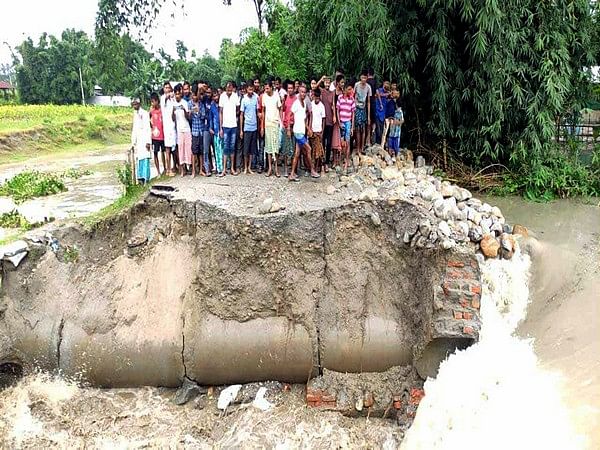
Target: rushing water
point(531, 382)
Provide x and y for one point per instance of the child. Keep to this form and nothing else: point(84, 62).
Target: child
point(362, 97)
point(158, 135)
point(141, 136)
point(317, 125)
point(214, 131)
point(396, 129)
point(299, 110)
point(181, 116)
point(195, 108)
point(346, 107)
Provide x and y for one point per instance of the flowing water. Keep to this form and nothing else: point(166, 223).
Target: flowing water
point(531, 382)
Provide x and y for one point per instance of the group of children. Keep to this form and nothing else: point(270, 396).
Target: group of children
point(258, 127)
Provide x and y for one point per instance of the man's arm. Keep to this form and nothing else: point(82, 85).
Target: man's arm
point(221, 121)
point(241, 116)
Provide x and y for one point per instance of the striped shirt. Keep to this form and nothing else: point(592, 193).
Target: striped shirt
point(346, 107)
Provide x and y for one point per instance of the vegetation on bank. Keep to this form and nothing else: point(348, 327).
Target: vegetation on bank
point(31, 184)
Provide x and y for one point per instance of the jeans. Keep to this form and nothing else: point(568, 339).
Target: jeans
point(379, 131)
point(229, 135)
point(206, 138)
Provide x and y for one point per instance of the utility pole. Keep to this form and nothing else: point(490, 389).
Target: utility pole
point(81, 84)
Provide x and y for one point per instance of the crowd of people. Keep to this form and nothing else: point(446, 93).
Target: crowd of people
point(259, 127)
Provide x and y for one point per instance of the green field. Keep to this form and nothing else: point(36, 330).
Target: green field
point(33, 130)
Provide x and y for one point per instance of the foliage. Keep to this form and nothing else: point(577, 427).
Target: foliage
point(70, 254)
point(14, 219)
point(30, 184)
point(49, 71)
point(125, 177)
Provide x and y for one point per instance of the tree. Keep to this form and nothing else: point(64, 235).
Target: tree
point(49, 72)
point(259, 8)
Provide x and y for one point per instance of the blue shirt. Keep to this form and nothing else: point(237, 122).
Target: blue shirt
point(397, 129)
point(195, 118)
point(380, 104)
point(214, 123)
point(390, 108)
point(248, 107)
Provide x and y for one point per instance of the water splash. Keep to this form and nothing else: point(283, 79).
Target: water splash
point(495, 395)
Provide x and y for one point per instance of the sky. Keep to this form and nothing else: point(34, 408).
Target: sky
point(202, 27)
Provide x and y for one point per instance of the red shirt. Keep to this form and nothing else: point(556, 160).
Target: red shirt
point(156, 122)
point(286, 111)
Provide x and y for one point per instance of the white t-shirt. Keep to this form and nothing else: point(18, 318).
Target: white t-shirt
point(318, 114)
point(180, 108)
point(299, 113)
point(166, 106)
point(271, 105)
point(282, 93)
point(229, 105)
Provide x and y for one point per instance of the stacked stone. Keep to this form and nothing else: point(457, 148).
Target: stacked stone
point(457, 218)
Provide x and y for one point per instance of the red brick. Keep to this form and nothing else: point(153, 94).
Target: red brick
point(326, 398)
point(314, 395)
point(467, 315)
point(456, 274)
point(476, 303)
point(416, 395)
point(468, 330)
point(397, 401)
point(464, 302)
point(456, 264)
point(476, 289)
point(458, 315)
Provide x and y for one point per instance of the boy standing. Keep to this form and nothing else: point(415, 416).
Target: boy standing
point(301, 122)
point(181, 116)
point(381, 98)
point(328, 100)
point(166, 106)
point(362, 97)
point(288, 145)
point(346, 107)
point(248, 126)
point(195, 108)
point(396, 129)
point(229, 105)
point(215, 132)
point(158, 136)
point(317, 124)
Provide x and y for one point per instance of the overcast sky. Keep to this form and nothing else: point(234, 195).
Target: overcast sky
point(204, 25)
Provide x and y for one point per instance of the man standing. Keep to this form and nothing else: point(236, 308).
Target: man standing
point(287, 119)
point(373, 83)
point(328, 100)
point(141, 137)
point(248, 126)
point(270, 122)
point(229, 105)
point(166, 106)
point(362, 96)
point(301, 124)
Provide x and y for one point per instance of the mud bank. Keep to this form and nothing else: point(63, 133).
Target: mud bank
point(189, 285)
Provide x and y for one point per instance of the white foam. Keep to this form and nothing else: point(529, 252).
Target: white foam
point(495, 395)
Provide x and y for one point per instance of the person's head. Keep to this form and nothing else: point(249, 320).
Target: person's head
point(135, 104)
point(394, 85)
point(340, 81)
point(215, 96)
point(269, 87)
point(154, 100)
point(195, 88)
point(178, 92)
point(363, 77)
point(186, 89)
point(167, 88)
point(277, 83)
point(208, 91)
point(370, 72)
point(256, 83)
point(395, 93)
point(313, 83)
point(195, 96)
point(302, 92)
point(289, 85)
point(219, 91)
point(348, 90)
point(317, 95)
point(229, 88)
point(250, 89)
point(326, 82)
point(386, 85)
point(296, 85)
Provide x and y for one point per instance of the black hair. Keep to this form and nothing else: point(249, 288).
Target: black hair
point(167, 83)
point(154, 96)
point(230, 83)
point(364, 73)
point(386, 78)
point(269, 83)
point(317, 92)
point(250, 83)
point(339, 78)
point(186, 82)
point(370, 71)
point(314, 77)
point(296, 81)
point(256, 77)
point(178, 88)
point(194, 87)
point(287, 82)
point(278, 79)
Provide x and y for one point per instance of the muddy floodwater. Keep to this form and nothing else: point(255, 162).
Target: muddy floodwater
point(533, 381)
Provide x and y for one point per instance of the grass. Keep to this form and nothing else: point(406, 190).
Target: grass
point(31, 184)
point(15, 118)
point(14, 219)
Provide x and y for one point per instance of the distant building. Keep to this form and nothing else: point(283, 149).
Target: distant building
point(107, 100)
point(7, 89)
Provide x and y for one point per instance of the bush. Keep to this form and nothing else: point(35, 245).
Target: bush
point(30, 184)
point(14, 219)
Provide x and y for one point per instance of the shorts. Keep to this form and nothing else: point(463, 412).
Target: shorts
point(300, 139)
point(250, 143)
point(158, 146)
point(360, 118)
point(196, 145)
point(345, 129)
point(229, 139)
point(287, 144)
point(170, 136)
point(394, 144)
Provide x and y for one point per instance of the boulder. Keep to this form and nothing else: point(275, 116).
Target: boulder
point(188, 390)
point(489, 246)
point(520, 229)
